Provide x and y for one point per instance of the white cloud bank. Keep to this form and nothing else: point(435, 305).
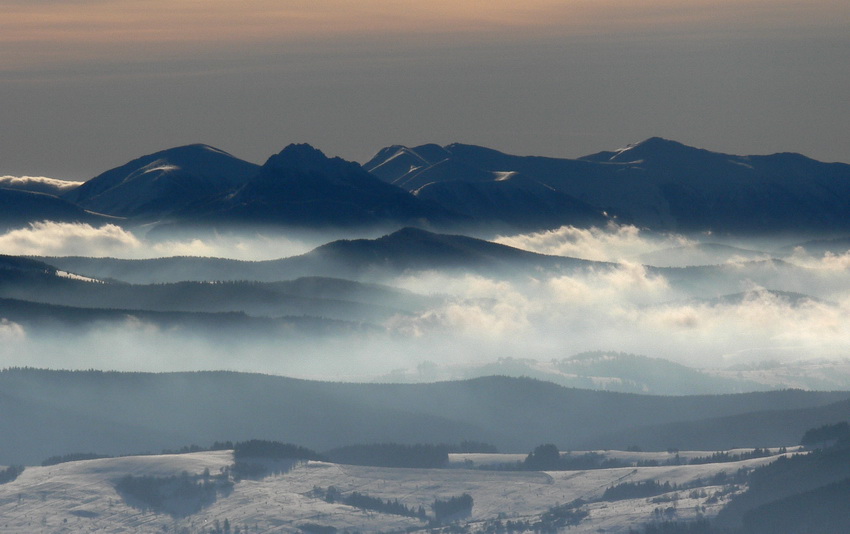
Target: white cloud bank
point(39, 184)
point(627, 308)
point(612, 243)
point(48, 238)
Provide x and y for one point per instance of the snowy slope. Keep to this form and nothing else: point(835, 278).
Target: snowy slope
point(80, 496)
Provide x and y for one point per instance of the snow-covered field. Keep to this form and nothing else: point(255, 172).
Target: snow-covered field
point(81, 496)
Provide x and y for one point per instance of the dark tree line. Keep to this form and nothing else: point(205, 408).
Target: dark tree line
point(818, 437)
point(10, 473)
point(367, 502)
point(392, 455)
point(258, 448)
point(548, 458)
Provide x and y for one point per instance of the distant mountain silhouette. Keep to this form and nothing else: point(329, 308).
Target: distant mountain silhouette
point(159, 184)
point(489, 195)
point(408, 249)
point(608, 371)
point(301, 187)
point(19, 208)
point(660, 184)
point(34, 281)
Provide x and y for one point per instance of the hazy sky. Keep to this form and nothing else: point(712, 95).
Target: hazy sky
point(90, 84)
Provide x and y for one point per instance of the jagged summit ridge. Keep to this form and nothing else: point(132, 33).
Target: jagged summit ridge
point(657, 183)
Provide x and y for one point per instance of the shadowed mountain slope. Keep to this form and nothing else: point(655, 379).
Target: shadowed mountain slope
point(20, 208)
point(159, 184)
point(301, 187)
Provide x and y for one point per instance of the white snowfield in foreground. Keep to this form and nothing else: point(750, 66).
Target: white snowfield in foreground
point(81, 496)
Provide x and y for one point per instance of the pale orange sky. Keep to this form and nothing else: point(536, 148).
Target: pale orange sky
point(204, 21)
point(85, 83)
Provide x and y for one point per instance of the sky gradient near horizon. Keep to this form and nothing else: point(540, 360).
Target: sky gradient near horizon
point(87, 85)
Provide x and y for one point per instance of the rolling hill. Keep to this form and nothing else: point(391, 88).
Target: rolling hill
point(55, 412)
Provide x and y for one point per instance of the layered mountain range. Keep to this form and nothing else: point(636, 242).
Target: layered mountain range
point(657, 184)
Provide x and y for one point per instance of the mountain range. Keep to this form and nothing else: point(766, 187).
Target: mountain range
point(657, 184)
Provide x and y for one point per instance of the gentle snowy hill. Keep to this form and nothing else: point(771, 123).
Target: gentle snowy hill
point(86, 496)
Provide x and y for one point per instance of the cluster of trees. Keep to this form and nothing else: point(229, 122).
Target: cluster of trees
point(175, 495)
point(10, 473)
point(548, 458)
point(186, 449)
point(454, 506)
point(367, 502)
point(838, 433)
point(563, 516)
point(556, 519)
point(392, 455)
point(259, 448)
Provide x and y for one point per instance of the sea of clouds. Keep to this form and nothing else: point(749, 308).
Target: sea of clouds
point(626, 307)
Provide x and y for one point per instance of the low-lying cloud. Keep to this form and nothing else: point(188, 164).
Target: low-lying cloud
point(613, 243)
point(10, 331)
point(48, 238)
point(38, 184)
point(627, 309)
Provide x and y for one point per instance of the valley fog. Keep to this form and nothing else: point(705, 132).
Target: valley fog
point(695, 300)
